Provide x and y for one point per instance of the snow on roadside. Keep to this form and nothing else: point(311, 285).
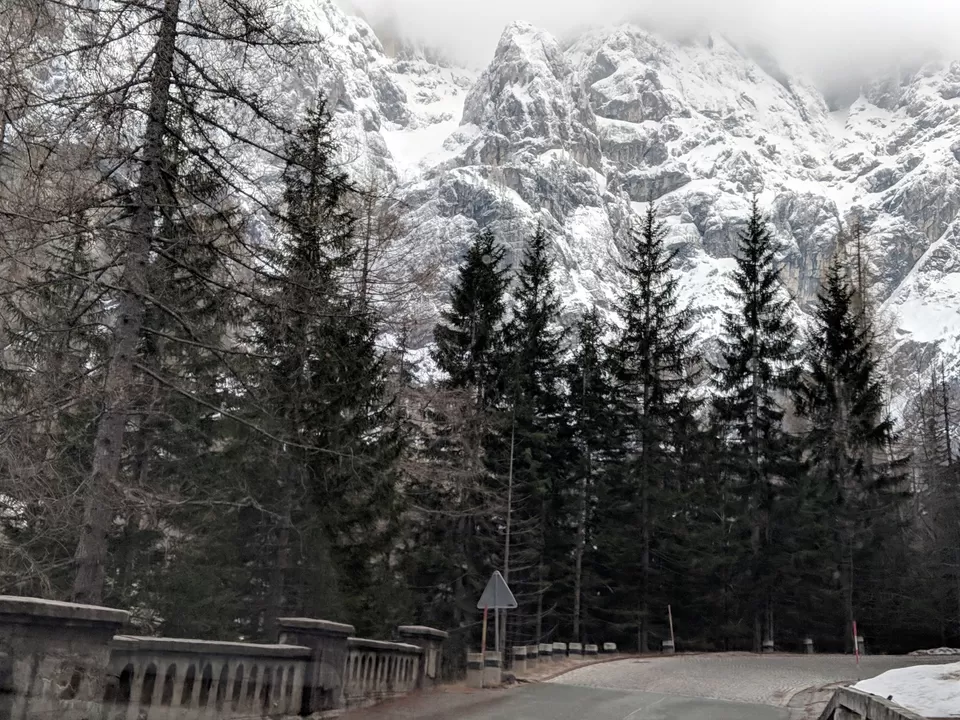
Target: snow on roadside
point(938, 651)
point(930, 690)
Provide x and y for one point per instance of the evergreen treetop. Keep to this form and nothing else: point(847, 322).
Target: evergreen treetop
point(469, 337)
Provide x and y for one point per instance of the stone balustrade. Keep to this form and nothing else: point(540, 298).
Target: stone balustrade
point(66, 661)
point(183, 679)
point(378, 670)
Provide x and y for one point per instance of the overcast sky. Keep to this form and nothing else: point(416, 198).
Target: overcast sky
point(820, 37)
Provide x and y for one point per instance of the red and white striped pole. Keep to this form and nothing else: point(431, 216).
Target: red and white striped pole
point(856, 642)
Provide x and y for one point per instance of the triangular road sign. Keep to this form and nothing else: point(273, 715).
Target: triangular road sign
point(496, 595)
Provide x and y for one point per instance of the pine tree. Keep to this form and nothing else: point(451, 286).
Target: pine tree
point(183, 71)
point(759, 367)
point(319, 387)
point(461, 503)
point(590, 398)
point(714, 550)
point(469, 338)
point(652, 366)
point(528, 448)
point(850, 434)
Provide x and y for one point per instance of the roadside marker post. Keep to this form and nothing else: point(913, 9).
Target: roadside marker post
point(496, 595)
point(670, 616)
point(856, 642)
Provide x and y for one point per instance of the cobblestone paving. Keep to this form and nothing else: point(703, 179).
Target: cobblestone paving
point(739, 677)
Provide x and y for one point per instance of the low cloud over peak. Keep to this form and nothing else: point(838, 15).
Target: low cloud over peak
point(829, 40)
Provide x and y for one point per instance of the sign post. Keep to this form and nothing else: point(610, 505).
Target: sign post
point(856, 642)
point(483, 640)
point(495, 595)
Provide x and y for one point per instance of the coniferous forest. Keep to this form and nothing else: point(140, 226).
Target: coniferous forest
point(217, 407)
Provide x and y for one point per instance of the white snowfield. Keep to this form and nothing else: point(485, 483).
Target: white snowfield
point(578, 136)
point(929, 690)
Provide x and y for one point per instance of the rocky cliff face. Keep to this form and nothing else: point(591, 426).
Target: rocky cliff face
point(581, 137)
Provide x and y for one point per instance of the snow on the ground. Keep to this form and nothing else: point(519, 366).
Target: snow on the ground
point(930, 690)
point(412, 147)
point(434, 97)
point(938, 651)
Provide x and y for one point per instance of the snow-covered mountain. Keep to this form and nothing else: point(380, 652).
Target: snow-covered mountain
point(579, 136)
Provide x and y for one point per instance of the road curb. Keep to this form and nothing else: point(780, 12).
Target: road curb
point(604, 660)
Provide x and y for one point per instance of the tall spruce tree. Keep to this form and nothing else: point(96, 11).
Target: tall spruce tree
point(318, 389)
point(469, 338)
point(849, 438)
point(652, 365)
point(759, 367)
point(591, 432)
point(529, 444)
point(461, 501)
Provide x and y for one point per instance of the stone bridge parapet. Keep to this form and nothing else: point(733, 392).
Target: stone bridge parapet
point(67, 661)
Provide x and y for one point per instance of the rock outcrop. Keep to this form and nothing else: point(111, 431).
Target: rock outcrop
point(579, 137)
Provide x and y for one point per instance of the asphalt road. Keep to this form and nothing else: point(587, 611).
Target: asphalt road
point(732, 686)
point(737, 677)
point(566, 702)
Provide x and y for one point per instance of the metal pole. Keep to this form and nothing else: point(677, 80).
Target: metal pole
point(670, 615)
point(483, 641)
point(506, 548)
point(856, 642)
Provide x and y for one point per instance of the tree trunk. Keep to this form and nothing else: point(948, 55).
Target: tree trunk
point(581, 545)
point(509, 528)
point(846, 575)
point(756, 535)
point(956, 576)
point(946, 416)
point(276, 591)
point(757, 605)
point(757, 631)
point(540, 599)
point(770, 627)
point(645, 566)
point(118, 392)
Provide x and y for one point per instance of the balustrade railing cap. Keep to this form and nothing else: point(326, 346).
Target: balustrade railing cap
point(383, 645)
point(55, 610)
point(206, 647)
point(321, 627)
point(421, 631)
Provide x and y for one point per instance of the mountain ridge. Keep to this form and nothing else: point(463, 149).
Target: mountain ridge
point(580, 135)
